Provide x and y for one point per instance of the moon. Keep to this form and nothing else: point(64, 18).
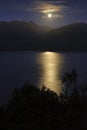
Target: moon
point(49, 15)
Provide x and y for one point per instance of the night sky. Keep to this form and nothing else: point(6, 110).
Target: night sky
point(63, 11)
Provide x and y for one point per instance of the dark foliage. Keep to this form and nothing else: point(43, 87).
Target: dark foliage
point(34, 108)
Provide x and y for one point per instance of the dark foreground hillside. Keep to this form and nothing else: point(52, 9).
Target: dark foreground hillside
point(42, 109)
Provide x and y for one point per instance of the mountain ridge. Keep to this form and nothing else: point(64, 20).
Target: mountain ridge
point(20, 35)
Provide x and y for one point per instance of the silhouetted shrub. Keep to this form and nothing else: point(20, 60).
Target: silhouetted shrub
point(42, 109)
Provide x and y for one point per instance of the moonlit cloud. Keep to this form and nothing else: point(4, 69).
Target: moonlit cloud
point(57, 16)
point(46, 7)
point(63, 11)
point(53, 16)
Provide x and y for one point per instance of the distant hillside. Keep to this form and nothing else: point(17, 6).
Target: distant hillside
point(18, 35)
point(70, 38)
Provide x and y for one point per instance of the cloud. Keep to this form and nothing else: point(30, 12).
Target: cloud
point(53, 16)
point(43, 7)
point(78, 10)
point(52, 1)
point(48, 6)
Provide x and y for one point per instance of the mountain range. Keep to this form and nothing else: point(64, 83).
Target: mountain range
point(18, 35)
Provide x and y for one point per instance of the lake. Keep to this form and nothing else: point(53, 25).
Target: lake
point(38, 68)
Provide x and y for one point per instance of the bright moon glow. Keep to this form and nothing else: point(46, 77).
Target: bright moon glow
point(49, 15)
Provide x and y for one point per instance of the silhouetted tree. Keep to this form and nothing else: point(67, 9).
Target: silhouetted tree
point(70, 80)
point(42, 109)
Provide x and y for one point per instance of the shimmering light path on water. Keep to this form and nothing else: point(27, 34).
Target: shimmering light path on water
point(50, 64)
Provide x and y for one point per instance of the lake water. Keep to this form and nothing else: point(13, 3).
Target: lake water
point(38, 68)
